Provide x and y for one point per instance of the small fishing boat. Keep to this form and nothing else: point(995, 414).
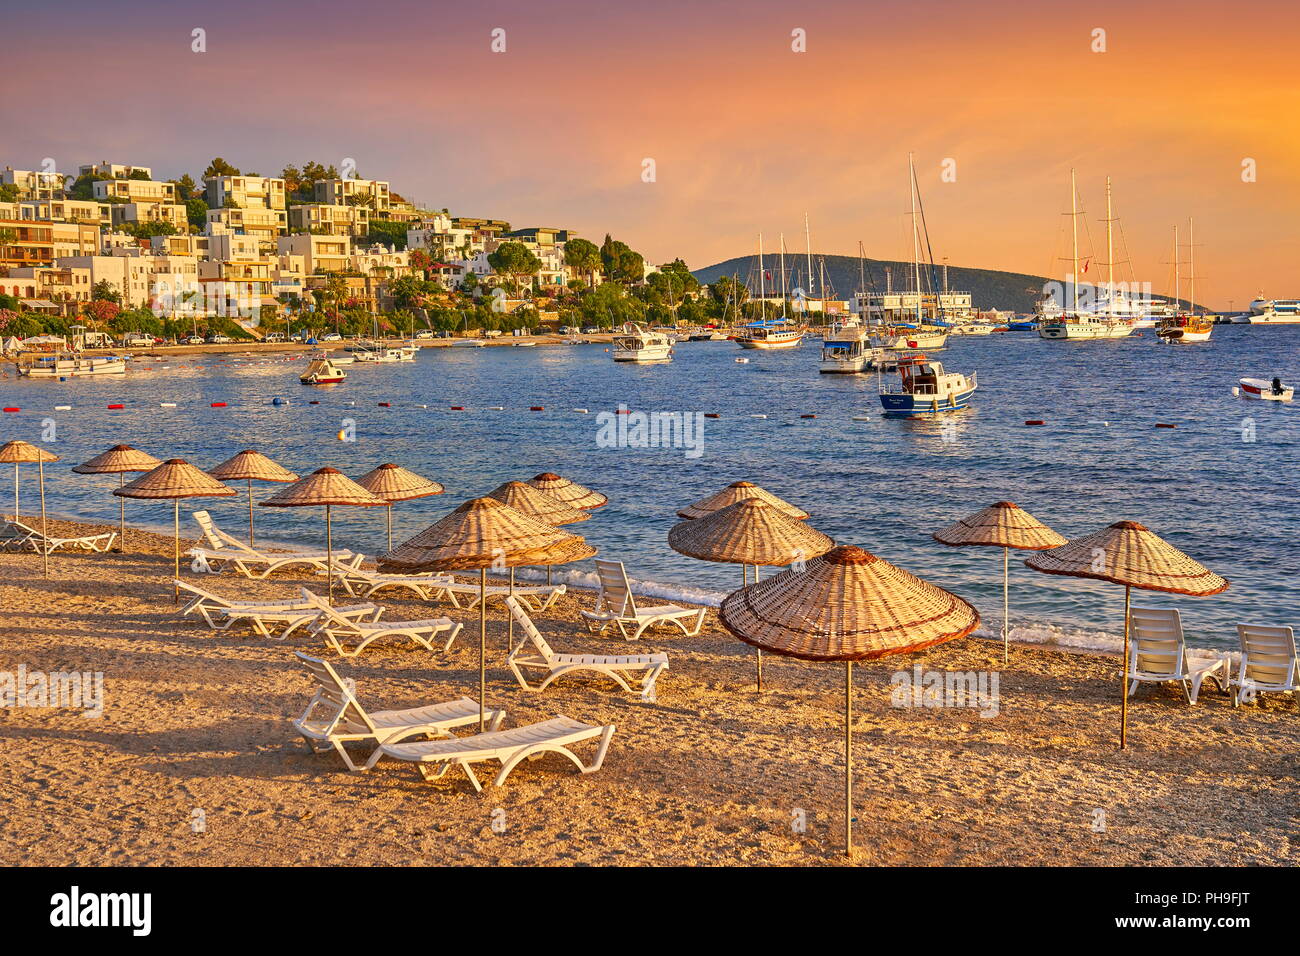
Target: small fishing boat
point(68, 365)
point(1265, 391)
point(769, 335)
point(903, 339)
point(322, 371)
point(845, 351)
point(1182, 329)
point(469, 344)
point(973, 328)
point(636, 344)
point(925, 388)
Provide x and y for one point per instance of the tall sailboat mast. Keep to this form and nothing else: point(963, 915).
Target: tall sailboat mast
point(783, 285)
point(807, 245)
point(1110, 256)
point(762, 287)
point(916, 248)
point(1074, 221)
point(1178, 297)
point(1191, 265)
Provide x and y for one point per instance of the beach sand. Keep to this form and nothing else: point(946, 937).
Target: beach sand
point(713, 773)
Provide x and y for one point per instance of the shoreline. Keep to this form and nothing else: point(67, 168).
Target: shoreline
point(255, 347)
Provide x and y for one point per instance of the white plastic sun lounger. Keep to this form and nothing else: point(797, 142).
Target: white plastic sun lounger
point(1158, 654)
point(621, 669)
point(434, 758)
point(336, 629)
point(616, 605)
point(1268, 662)
point(225, 550)
point(443, 587)
point(335, 717)
point(24, 536)
point(286, 616)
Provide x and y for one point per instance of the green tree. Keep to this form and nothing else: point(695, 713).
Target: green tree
point(106, 291)
point(514, 259)
point(196, 211)
point(219, 167)
point(582, 256)
point(185, 187)
point(9, 192)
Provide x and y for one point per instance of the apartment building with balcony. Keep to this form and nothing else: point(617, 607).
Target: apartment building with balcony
point(114, 170)
point(371, 193)
point(181, 245)
point(136, 212)
point(321, 254)
point(245, 192)
point(330, 219)
point(65, 210)
point(48, 288)
point(145, 191)
point(136, 278)
point(34, 185)
point(265, 224)
point(41, 243)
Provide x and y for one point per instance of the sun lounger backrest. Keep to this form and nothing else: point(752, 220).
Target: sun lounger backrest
point(526, 624)
point(25, 528)
point(204, 521)
point(215, 600)
point(615, 592)
point(1268, 653)
point(334, 692)
point(1157, 637)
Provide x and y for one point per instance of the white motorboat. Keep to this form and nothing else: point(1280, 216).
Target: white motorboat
point(1263, 390)
point(322, 371)
point(972, 328)
point(925, 388)
point(636, 344)
point(68, 365)
point(1275, 311)
point(902, 339)
point(469, 344)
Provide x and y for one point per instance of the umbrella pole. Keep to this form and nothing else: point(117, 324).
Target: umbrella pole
point(121, 541)
point(1123, 677)
point(16, 514)
point(329, 555)
point(390, 527)
point(482, 645)
point(510, 618)
point(1006, 612)
point(176, 550)
point(250, 512)
point(848, 759)
point(45, 544)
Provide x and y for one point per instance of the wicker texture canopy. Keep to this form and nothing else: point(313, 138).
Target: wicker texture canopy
point(848, 605)
point(1127, 553)
point(486, 533)
point(118, 459)
point(544, 507)
point(251, 465)
point(738, 491)
point(395, 483)
point(1003, 525)
point(324, 486)
point(751, 531)
point(19, 452)
point(174, 478)
point(570, 492)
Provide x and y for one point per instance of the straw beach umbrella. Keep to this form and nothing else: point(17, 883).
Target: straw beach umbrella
point(174, 479)
point(1004, 525)
point(328, 487)
point(1127, 553)
point(484, 533)
point(250, 465)
point(751, 531)
point(849, 605)
point(17, 452)
point(570, 492)
point(738, 491)
point(536, 504)
point(119, 460)
point(394, 483)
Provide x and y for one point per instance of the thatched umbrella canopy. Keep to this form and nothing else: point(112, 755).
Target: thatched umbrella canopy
point(173, 480)
point(570, 492)
point(1004, 525)
point(848, 605)
point(485, 533)
point(738, 491)
point(395, 483)
point(250, 466)
point(1129, 554)
point(328, 487)
point(751, 531)
point(119, 460)
point(18, 452)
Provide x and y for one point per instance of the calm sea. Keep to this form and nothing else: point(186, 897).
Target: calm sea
point(1221, 485)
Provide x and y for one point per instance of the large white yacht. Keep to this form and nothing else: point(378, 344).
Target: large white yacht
point(636, 344)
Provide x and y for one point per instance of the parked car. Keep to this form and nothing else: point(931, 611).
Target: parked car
point(137, 340)
point(590, 330)
point(194, 340)
point(444, 334)
point(331, 337)
point(219, 339)
point(275, 337)
point(425, 334)
point(570, 330)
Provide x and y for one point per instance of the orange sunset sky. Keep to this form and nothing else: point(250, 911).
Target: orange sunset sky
point(746, 134)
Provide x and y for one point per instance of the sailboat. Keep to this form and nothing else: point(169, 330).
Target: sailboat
point(897, 336)
point(845, 349)
point(771, 334)
point(1076, 324)
point(1183, 328)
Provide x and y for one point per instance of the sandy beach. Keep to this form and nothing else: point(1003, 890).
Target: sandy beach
point(711, 773)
